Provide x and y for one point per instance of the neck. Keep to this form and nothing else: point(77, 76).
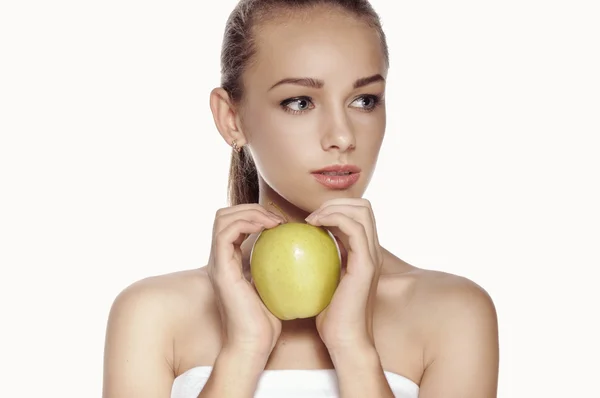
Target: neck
point(275, 203)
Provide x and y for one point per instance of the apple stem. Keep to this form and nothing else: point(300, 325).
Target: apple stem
point(280, 211)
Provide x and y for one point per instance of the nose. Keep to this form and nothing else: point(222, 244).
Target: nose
point(338, 134)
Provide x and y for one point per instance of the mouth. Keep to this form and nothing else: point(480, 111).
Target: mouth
point(337, 176)
point(335, 173)
point(338, 169)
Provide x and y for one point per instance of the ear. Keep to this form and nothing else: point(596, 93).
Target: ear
point(226, 117)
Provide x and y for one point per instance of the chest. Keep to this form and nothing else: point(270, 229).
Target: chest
point(397, 336)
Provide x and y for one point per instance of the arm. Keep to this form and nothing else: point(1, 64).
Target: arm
point(138, 350)
point(464, 360)
point(360, 374)
point(233, 376)
point(138, 355)
point(346, 324)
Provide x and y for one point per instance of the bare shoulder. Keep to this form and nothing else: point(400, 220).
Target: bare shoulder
point(461, 325)
point(452, 301)
point(164, 297)
point(451, 291)
point(437, 293)
point(143, 321)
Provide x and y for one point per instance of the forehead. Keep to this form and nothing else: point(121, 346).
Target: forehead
point(333, 46)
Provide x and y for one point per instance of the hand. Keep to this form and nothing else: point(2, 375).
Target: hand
point(347, 322)
point(248, 326)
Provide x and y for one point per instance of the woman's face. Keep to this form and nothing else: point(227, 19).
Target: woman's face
point(313, 99)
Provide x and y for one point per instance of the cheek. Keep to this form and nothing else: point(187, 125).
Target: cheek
point(278, 144)
point(371, 135)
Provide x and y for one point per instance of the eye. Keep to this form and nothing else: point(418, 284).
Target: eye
point(367, 102)
point(297, 105)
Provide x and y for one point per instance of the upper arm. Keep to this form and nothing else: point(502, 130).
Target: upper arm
point(137, 352)
point(465, 355)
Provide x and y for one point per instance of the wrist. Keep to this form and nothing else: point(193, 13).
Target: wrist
point(356, 362)
point(235, 374)
point(246, 357)
point(354, 353)
point(360, 373)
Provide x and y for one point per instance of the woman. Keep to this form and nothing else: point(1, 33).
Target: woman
point(302, 105)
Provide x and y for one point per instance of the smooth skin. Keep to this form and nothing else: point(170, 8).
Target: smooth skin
point(437, 329)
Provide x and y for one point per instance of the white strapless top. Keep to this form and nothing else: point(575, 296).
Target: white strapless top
point(288, 383)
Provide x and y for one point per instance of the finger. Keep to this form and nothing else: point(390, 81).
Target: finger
point(233, 235)
point(353, 234)
point(367, 204)
point(343, 251)
point(358, 213)
point(253, 215)
point(352, 202)
point(345, 201)
point(243, 207)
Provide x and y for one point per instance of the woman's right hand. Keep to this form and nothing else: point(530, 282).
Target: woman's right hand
point(249, 328)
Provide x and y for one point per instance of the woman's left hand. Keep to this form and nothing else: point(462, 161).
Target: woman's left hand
point(347, 322)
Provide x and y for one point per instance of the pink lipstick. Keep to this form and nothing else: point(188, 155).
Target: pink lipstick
point(337, 176)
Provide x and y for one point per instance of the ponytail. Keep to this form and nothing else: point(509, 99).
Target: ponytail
point(243, 179)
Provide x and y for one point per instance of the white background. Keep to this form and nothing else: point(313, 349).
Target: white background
point(111, 170)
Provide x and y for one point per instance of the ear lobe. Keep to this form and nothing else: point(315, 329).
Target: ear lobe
point(225, 116)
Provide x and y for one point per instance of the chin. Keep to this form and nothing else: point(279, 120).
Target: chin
point(309, 195)
point(310, 200)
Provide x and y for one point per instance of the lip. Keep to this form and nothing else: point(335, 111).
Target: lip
point(339, 168)
point(338, 182)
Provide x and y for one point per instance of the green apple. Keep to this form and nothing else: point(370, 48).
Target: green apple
point(296, 269)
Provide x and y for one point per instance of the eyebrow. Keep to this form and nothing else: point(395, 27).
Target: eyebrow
point(316, 83)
